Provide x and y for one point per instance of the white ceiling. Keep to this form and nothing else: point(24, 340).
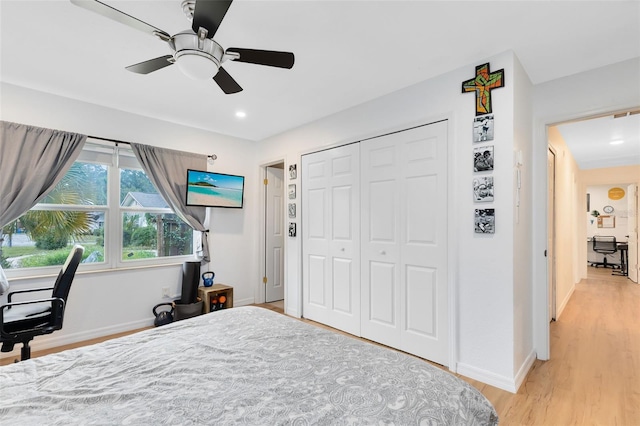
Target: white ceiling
point(347, 52)
point(590, 141)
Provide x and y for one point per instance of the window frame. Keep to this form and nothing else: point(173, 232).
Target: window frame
point(114, 158)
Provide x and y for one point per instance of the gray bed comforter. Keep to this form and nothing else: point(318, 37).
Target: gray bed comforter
point(243, 365)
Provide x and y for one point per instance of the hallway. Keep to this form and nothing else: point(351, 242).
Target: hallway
point(593, 376)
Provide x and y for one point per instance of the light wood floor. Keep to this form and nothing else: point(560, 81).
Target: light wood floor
point(593, 376)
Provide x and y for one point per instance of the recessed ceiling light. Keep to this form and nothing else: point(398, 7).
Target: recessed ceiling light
point(617, 142)
point(241, 114)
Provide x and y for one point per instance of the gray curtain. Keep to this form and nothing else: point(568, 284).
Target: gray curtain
point(167, 170)
point(32, 162)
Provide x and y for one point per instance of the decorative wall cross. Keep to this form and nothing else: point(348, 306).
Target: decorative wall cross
point(482, 84)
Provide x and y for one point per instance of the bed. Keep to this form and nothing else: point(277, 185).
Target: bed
point(244, 365)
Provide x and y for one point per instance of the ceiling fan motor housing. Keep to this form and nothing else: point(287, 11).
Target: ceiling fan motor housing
point(198, 58)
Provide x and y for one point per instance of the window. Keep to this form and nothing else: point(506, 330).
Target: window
point(106, 203)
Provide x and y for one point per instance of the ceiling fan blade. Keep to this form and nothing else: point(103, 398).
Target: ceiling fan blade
point(123, 18)
point(264, 57)
point(151, 65)
point(208, 14)
point(226, 82)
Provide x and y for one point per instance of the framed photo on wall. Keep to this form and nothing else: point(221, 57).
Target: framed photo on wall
point(293, 171)
point(483, 158)
point(483, 128)
point(485, 221)
point(292, 229)
point(292, 210)
point(292, 191)
point(483, 189)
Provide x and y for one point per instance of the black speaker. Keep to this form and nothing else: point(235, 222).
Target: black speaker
point(190, 281)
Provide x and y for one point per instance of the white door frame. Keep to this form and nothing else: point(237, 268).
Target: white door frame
point(551, 251)
point(541, 332)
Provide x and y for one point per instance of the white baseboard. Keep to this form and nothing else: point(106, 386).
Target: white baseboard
point(524, 369)
point(560, 309)
point(493, 379)
point(243, 302)
point(505, 383)
point(60, 339)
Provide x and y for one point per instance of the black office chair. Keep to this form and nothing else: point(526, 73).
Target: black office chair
point(605, 246)
point(20, 322)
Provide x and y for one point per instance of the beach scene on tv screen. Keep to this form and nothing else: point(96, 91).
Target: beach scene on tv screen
point(211, 189)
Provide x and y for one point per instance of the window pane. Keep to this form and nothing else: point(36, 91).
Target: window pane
point(149, 235)
point(136, 190)
point(45, 237)
point(84, 184)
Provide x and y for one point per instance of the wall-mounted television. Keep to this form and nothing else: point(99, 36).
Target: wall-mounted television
point(209, 189)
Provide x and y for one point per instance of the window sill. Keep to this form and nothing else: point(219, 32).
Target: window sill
point(92, 271)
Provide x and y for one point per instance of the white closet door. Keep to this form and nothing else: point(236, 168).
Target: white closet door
point(404, 241)
point(331, 237)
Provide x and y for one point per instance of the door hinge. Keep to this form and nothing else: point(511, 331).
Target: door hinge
point(266, 181)
point(264, 280)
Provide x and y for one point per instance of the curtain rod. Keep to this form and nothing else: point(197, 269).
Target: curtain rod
point(109, 140)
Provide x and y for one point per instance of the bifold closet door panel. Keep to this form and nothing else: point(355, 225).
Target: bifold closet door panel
point(331, 237)
point(404, 241)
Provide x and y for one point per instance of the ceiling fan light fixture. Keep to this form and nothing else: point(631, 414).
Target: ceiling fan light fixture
point(196, 65)
point(198, 58)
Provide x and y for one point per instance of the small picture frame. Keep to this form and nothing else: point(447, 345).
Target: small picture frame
point(483, 189)
point(485, 221)
point(292, 210)
point(292, 229)
point(483, 128)
point(483, 158)
point(293, 171)
point(292, 191)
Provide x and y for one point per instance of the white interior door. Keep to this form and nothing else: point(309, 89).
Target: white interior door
point(274, 243)
point(404, 241)
point(632, 207)
point(331, 237)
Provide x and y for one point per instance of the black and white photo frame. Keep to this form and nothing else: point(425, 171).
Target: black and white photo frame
point(485, 221)
point(483, 189)
point(292, 229)
point(483, 128)
point(293, 171)
point(292, 191)
point(483, 158)
point(292, 210)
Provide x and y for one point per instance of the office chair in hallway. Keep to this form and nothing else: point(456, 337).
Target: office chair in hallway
point(606, 246)
point(20, 322)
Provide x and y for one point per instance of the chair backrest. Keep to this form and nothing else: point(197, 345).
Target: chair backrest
point(65, 277)
point(605, 244)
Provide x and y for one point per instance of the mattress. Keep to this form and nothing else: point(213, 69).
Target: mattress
point(247, 366)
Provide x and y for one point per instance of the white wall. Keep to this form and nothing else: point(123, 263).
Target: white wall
point(569, 240)
point(599, 195)
point(524, 354)
point(109, 302)
point(482, 266)
point(618, 88)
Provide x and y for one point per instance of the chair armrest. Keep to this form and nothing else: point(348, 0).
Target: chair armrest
point(55, 302)
point(29, 290)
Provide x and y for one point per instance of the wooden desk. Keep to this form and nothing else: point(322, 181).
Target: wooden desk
point(207, 294)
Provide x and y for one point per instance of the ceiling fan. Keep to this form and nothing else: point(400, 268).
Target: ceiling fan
point(194, 50)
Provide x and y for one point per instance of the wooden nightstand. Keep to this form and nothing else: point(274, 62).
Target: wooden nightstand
point(207, 294)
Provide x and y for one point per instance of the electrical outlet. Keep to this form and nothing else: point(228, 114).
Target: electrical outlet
point(165, 292)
